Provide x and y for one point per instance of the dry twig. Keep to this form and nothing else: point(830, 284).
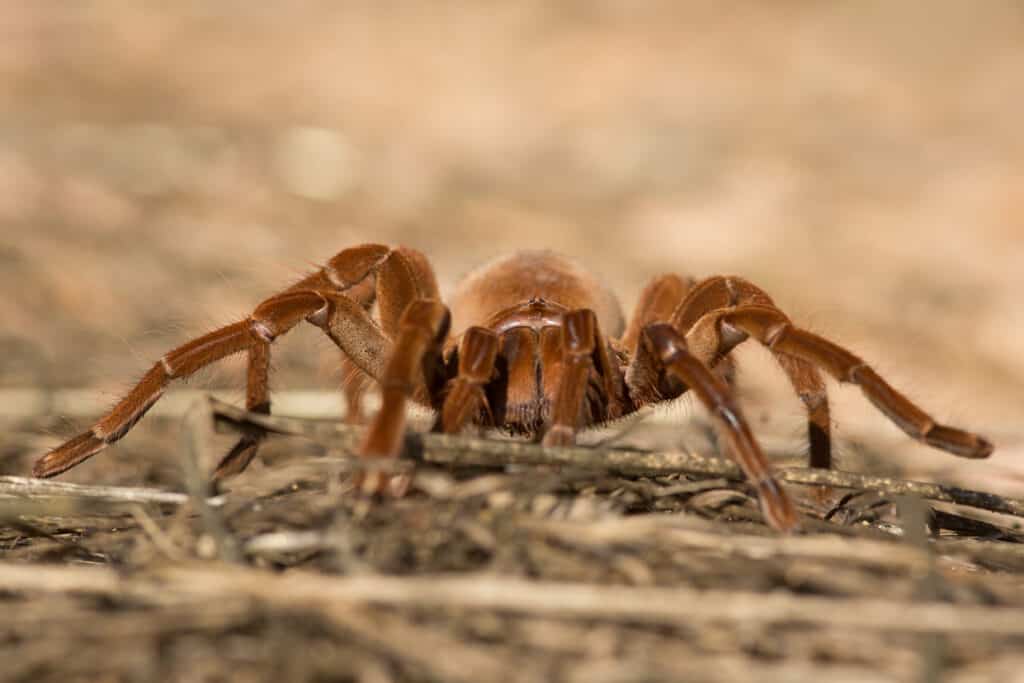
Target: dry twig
point(665, 606)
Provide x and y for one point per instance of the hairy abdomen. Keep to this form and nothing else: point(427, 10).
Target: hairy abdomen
point(512, 280)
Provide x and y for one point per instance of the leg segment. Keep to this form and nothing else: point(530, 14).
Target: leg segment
point(769, 326)
point(583, 354)
point(403, 353)
point(520, 349)
point(810, 387)
point(352, 272)
point(665, 344)
point(577, 341)
point(478, 353)
point(422, 330)
point(403, 277)
point(272, 318)
point(354, 385)
point(336, 299)
point(352, 329)
point(257, 399)
point(353, 265)
point(657, 302)
point(721, 292)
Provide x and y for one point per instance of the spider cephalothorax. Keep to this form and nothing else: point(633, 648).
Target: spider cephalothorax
point(532, 343)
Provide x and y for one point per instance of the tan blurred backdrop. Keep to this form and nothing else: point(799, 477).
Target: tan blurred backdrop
point(165, 165)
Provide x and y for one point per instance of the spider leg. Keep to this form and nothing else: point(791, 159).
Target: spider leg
point(519, 404)
point(346, 321)
point(570, 355)
point(273, 317)
point(354, 385)
point(336, 299)
point(722, 292)
point(575, 342)
point(724, 370)
point(257, 400)
point(422, 330)
point(663, 345)
point(403, 353)
point(658, 300)
point(350, 271)
point(478, 353)
point(773, 329)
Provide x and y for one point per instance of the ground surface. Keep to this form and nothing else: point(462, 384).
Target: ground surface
point(164, 167)
point(615, 565)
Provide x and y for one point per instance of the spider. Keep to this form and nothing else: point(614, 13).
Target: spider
point(525, 346)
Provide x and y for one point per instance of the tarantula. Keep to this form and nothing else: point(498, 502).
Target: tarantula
point(523, 346)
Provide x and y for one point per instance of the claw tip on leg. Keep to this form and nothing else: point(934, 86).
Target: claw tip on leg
point(68, 455)
point(777, 507)
point(959, 442)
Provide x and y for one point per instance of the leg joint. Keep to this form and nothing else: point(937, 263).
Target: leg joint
point(664, 342)
point(353, 265)
point(262, 330)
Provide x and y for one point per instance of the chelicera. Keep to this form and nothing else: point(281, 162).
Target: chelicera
point(532, 343)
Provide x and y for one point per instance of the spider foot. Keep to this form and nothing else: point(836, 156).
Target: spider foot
point(560, 435)
point(63, 458)
point(239, 457)
point(383, 478)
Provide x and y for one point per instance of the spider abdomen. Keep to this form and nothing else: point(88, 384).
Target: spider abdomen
point(515, 280)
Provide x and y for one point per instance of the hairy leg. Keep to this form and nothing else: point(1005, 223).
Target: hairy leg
point(351, 272)
point(257, 399)
point(575, 341)
point(664, 347)
point(582, 353)
point(354, 385)
point(422, 330)
point(404, 356)
point(273, 317)
point(722, 292)
point(395, 276)
point(773, 329)
point(657, 302)
point(520, 349)
point(466, 396)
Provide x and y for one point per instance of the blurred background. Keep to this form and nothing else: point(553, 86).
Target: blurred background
point(164, 166)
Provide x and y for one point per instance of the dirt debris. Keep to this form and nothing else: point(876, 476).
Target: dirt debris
point(496, 571)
